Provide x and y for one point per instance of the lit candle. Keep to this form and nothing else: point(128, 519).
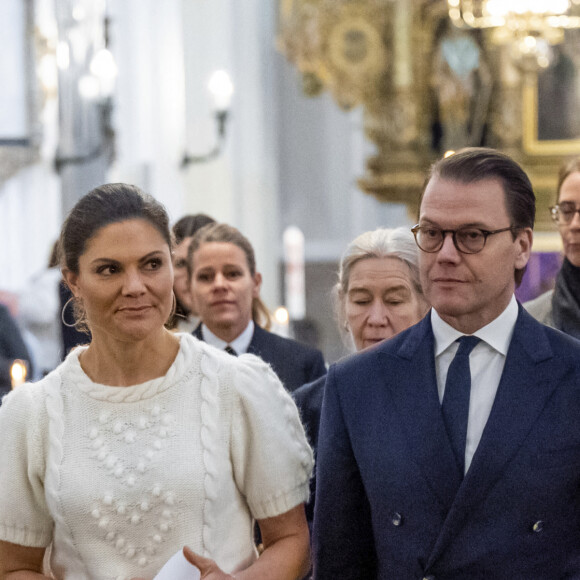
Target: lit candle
point(281, 320)
point(18, 372)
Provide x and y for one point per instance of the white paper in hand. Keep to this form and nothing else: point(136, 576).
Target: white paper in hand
point(178, 568)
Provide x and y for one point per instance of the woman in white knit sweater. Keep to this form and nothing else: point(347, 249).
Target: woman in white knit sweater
point(146, 441)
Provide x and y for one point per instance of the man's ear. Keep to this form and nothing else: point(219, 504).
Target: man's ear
point(524, 240)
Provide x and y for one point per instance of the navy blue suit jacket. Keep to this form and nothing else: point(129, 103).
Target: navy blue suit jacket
point(293, 362)
point(390, 502)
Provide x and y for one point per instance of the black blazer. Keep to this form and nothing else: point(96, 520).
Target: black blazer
point(293, 362)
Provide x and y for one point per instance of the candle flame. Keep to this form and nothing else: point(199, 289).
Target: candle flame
point(18, 372)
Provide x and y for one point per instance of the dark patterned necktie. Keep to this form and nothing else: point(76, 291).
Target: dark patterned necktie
point(230, 350)
point(455, 404)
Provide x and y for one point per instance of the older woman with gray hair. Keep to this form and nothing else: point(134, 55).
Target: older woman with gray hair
point(378, 294)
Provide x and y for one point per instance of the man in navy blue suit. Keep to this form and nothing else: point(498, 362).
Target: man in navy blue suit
point(430, 472)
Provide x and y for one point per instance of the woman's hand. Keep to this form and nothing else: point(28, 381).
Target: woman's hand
point(208, 568)
point(285, 556)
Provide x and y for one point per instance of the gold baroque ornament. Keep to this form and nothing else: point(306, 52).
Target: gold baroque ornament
point(401, 120)
point(298, 35)
point(354, 55)
point(355, 47)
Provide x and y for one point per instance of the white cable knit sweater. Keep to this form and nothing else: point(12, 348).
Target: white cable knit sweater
point(119, 478)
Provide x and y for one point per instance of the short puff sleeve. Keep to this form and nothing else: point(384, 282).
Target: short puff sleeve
point(24, 515)
point(272, 460)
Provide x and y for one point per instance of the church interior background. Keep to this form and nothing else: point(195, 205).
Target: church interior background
point(338, 109)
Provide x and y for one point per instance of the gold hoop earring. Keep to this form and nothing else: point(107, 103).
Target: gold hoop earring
point(62, 314)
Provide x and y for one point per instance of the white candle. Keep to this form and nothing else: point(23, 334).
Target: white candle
point(294, 272)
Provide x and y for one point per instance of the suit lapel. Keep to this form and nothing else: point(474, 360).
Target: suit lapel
point(524, 388)
point(414, 392)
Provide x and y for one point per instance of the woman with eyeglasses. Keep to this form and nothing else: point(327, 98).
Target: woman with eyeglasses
point(560, 307)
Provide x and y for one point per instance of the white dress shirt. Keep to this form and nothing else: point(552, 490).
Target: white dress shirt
point(486, 363)
point(240, 344)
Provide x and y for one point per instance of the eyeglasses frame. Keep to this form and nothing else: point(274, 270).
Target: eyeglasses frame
point(486, 233)
point(555, 212)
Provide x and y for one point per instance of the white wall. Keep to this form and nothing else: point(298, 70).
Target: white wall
point(150, 97)
point(288, 159)
point(30, 208)
point(239, 187)
point(30, 220)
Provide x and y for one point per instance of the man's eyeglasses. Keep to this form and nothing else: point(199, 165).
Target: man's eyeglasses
point(563, 213)
point(467, 240)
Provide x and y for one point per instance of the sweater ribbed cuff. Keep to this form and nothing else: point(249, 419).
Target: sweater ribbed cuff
point(25, 536)
point(275, 506)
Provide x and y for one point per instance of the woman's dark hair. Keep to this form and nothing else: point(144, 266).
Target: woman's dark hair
point(105, 205)
point(188, 225)
point(54, 258)
point(474, 164)
point(224, 233)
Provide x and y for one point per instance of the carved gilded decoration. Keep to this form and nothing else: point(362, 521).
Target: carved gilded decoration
point(425, 87)
point(343, 44)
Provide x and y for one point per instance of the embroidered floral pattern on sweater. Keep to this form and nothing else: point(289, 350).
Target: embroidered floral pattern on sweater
point(138, 442)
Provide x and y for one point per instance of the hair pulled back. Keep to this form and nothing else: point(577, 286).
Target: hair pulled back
point(224, 233)
point(107, 204)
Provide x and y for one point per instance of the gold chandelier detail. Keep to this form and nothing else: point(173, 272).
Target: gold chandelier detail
point(530, 27)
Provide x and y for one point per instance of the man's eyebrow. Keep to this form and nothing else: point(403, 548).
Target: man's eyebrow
point(478, 225)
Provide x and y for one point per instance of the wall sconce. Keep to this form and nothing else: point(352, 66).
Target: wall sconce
point(104, 110)
point(221, 90)
point(96, 86)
